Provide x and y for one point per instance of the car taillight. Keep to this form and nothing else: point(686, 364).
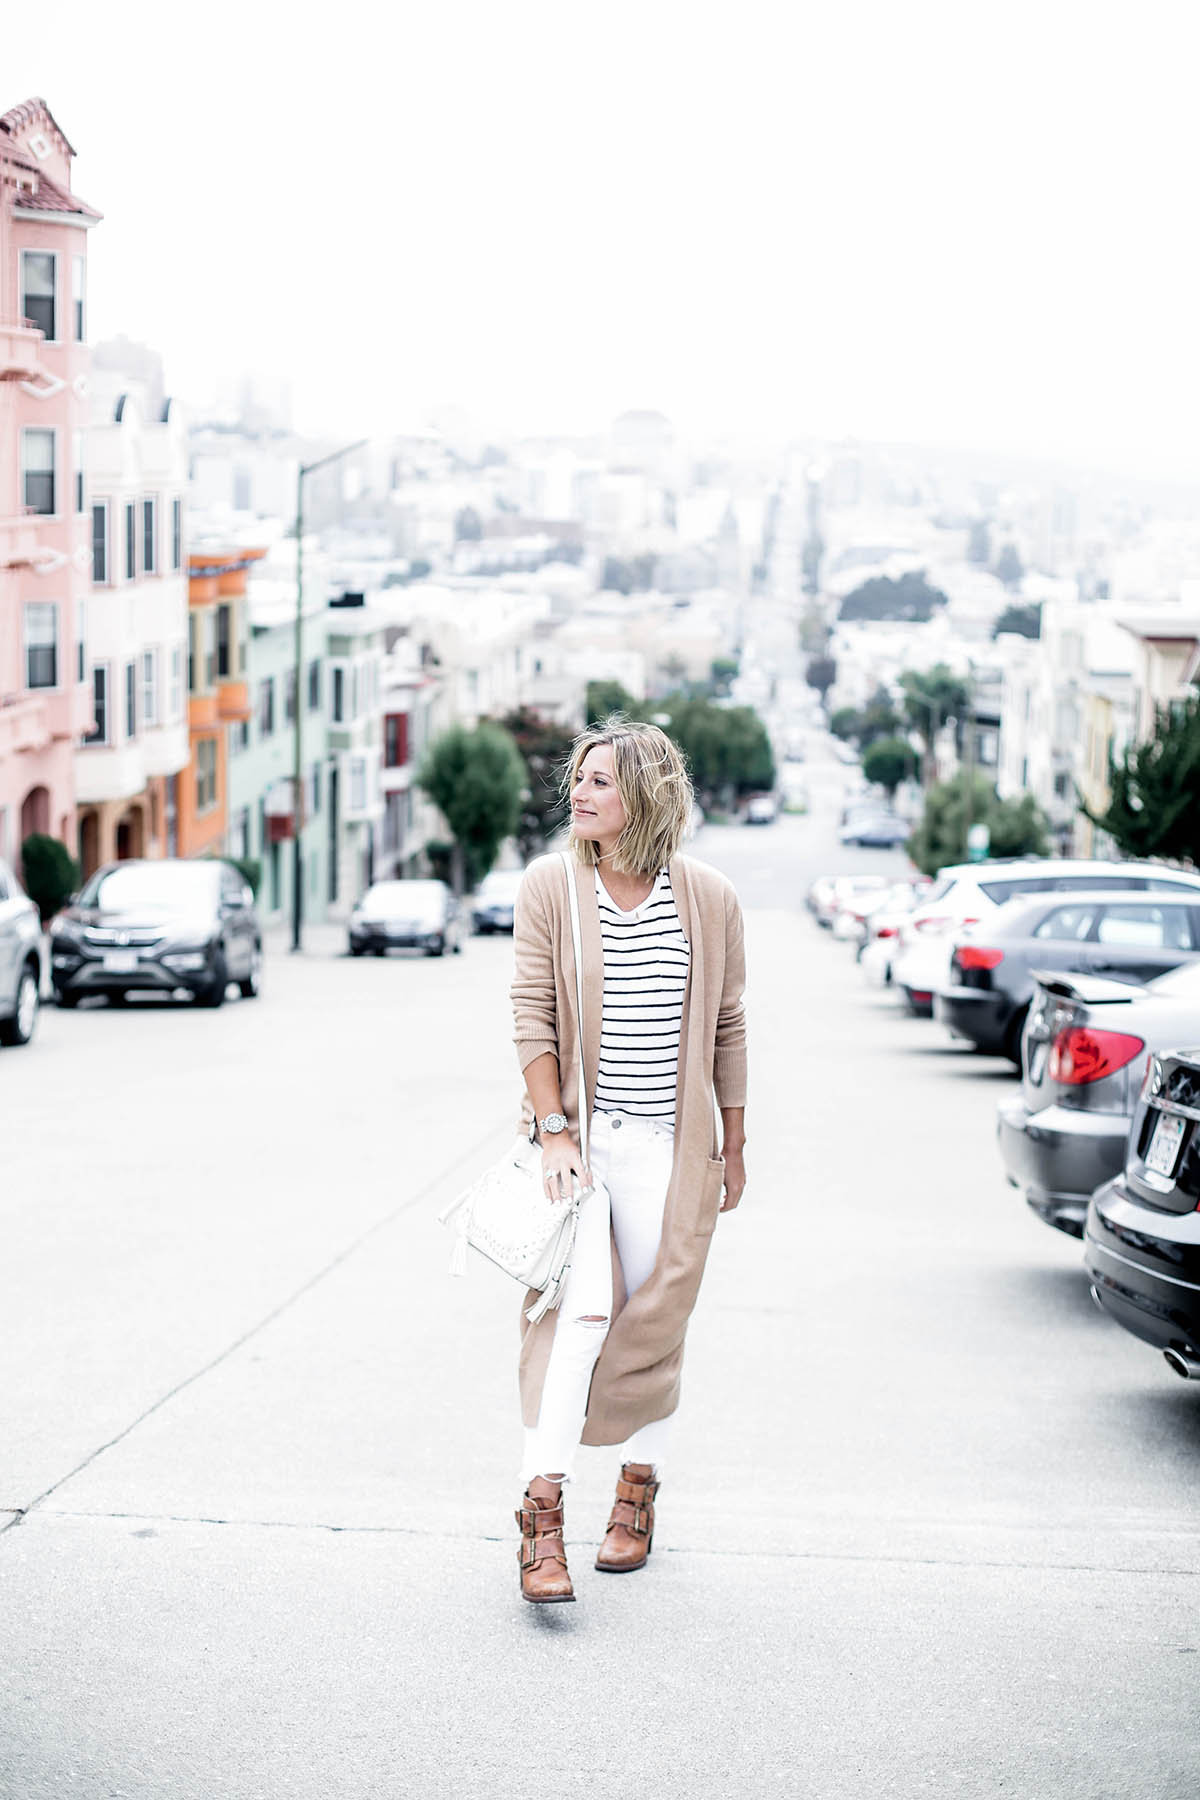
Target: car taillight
point(971, 956)
point(886, 931)
point(937, 922)
point(1079, 1054)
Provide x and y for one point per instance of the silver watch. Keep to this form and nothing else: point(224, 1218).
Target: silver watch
point(552, 1124)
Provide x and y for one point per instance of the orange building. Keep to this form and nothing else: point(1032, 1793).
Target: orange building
point(218, 692)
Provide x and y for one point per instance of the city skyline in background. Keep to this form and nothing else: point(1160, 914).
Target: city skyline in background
point(906, 230)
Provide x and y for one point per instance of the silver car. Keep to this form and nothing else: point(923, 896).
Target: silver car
point(412, 915)
point(1086, 1046)
point(20, 960)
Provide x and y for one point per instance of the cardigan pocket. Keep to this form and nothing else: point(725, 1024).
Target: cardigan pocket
point(709, 1197)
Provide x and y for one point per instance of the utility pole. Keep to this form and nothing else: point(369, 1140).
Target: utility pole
point(302, 470)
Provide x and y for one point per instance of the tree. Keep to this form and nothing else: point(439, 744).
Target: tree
point(476, 779)
point(1026, 621)
point(468, 526)
point(846, 723)
point(50, 871)
point(979, 543)
point(929, 698)
point(1009, 568)
point(629, 575)
point(726, 747)
point(889, 761)
point(1016, 827)
point(909, 597)
point(723, 673)
point(1153, 810)
point(607, 697)
point(879, 718)
point(545, 748)
point(821, 674)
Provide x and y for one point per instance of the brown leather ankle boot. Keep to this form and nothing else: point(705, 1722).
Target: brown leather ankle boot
point(542, 1554)
point(630, 1534)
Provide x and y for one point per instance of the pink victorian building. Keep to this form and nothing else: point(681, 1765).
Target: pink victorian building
point(45, 526)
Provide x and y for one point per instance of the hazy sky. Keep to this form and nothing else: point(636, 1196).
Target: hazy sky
point(970, 224)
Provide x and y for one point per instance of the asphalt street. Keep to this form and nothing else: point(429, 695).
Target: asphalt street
point(927, 1529)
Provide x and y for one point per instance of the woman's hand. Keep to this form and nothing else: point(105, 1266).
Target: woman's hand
point(561, 1159)
point(735, 1175)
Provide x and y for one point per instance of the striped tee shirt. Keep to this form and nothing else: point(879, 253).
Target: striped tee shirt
point(645, 972)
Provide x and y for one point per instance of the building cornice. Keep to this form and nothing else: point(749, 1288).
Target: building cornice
point(78, 220)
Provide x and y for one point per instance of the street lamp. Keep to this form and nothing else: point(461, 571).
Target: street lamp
point(302, 470)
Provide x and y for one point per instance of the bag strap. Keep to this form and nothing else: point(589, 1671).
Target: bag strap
point(577, 942)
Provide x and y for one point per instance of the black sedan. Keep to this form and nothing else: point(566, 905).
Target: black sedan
point(1085, 1050)
point(1115, 934)
point(158, 927)
point(1141, 1242)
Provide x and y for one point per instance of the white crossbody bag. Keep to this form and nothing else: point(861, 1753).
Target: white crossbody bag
point(505, 1215)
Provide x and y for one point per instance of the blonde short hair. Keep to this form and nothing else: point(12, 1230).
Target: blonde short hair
point(655, 790)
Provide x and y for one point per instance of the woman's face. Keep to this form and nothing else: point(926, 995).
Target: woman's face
point(596, 809)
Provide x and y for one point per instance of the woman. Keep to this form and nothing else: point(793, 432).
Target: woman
point(663, 1048)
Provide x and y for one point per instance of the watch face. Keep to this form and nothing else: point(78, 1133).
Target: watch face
point(554, 1122)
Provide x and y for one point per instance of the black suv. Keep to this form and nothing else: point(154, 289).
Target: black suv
point(1142, 1237)
point(158, 926)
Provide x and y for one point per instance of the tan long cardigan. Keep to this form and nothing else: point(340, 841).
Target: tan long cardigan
point(638, 1372)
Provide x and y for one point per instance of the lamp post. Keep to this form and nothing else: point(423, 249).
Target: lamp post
point(302, 470)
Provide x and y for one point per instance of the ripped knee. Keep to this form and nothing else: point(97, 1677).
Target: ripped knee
point(593, 1319)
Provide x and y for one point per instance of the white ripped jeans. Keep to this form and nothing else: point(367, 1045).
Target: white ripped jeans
point(633, 1158)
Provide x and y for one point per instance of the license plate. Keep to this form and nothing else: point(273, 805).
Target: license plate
point(1164, 1145)
point(120, 962)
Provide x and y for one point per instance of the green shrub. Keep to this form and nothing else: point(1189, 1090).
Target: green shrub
point(51, 873)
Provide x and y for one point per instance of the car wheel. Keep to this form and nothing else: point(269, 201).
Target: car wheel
point(213, 991)
point(437, 949)
point(18, 1029)
point(379, 950)
point(251, 987)
point(355, 949)
point(116, 997)
point(67, 998)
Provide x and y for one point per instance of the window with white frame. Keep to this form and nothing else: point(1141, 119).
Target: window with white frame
point(41, 643)
point(176, 534)
point(39, 284)
point(37, 464)
point(266, 707)
point(358, 783)
point(289, 696)
point(79, 297)
point(99, 731)
point(314, 685)
point(81, 640)
point(130, 541)
point(149, 687)
point(175, 691)
point(100, 541)
point(131, 699)
point(312, 801)
point(206, 774)
point(150, 535)
point(337, 695)
point(80, 449)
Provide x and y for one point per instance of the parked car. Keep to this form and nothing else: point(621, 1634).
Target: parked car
point(1112, 934)
point(20, 960)
point(878, 831)
point(1141, 1240)
point(880, 927)
point(156, 927)
point(843, 891)
point(761, 809)
point(1087, 1042)
point(969, 893)
point(412, 915)
point(492, 907)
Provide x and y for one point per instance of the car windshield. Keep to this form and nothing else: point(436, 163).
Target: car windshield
point(168, 884)
point(501, 884)
point(401, 899)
